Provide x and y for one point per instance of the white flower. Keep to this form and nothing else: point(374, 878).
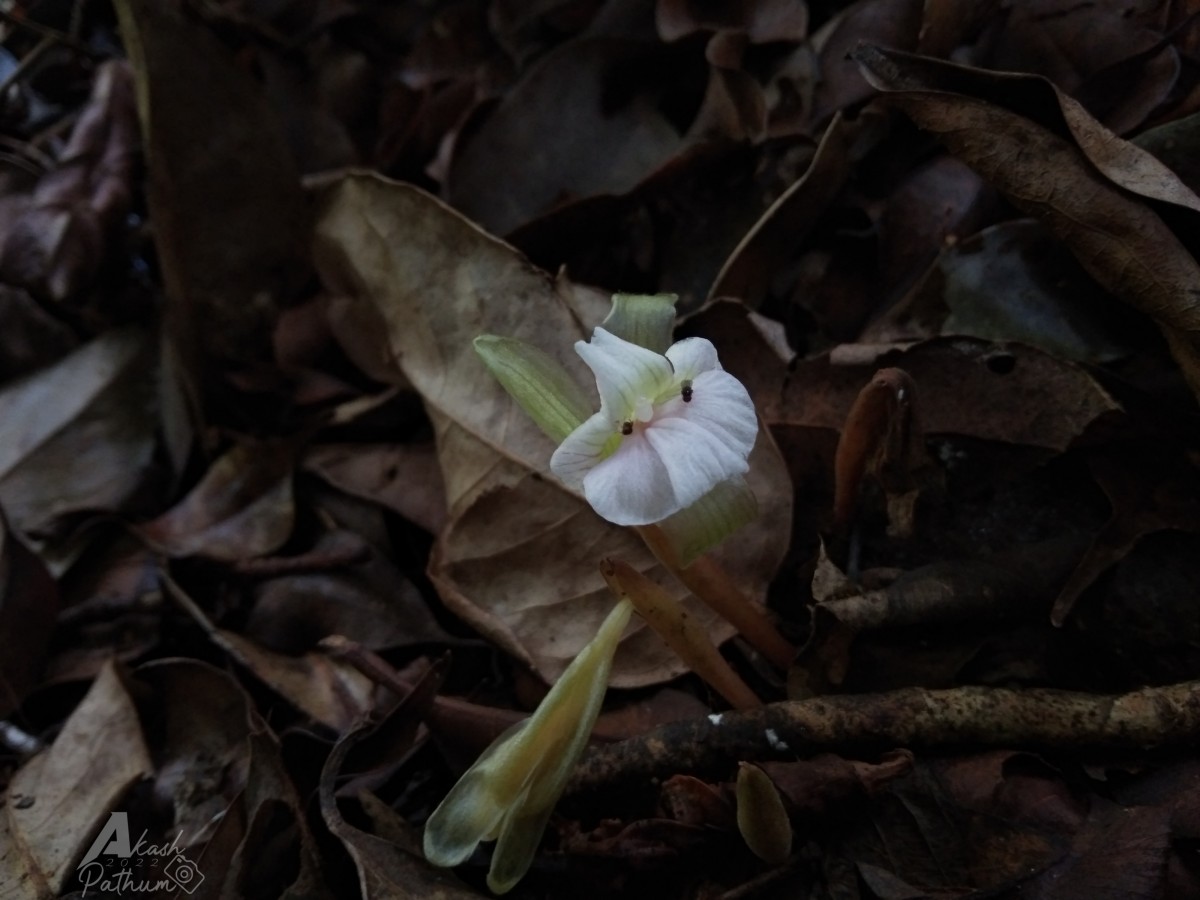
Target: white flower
point(670, 429)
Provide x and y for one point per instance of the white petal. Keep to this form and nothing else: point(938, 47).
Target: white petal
point(583, 449)
point(720, 404)
point(707, 440)
point(691, 356)
point(624, 372)
point(631, 487)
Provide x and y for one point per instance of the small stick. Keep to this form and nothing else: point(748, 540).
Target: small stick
point(911, 717)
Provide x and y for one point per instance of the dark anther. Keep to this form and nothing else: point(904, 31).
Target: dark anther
point(627, 428)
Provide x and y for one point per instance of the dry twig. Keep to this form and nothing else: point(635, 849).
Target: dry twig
point(913, 717)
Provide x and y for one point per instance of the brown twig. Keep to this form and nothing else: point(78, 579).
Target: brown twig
point(913, 717)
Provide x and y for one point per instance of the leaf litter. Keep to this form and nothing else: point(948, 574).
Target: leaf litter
point(280, 559)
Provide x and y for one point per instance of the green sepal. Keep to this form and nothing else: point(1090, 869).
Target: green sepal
point(542, 387)
point(647, 320)
point(711, 519)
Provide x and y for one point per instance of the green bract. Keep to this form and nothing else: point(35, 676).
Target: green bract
point(510, 791)
point(538, 382)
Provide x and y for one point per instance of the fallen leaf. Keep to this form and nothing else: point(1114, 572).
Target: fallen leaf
point(80, 434)
point(1012, 282)
point(327, 690)
point(994, 391)
point(55, 803)
point(1064, 168)
point(403, 477)
point(781, 230)
point(223, 192)
point(585, 120)
point(57, 242)
point(920, 835)
point(371, 603)
point(761, 818)
point(240, 509)
point(389, 865)
point(222, 776)
point(891, 23)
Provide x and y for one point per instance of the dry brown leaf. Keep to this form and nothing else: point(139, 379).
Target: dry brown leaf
point(1013, 282)
point(585, 120)
point(222, 776)
point(55, 803)
point(503, 562)
point(749, 269)
point(57, 242)
point(371, 603)
point(403, 477)
point(1084, 183)
point(999, 392)
point(327, 690)
point(892, 23)
point(223, 190)
point(242, 507)
point(79, 435)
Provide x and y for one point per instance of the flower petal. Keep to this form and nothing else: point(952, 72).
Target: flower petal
point(517, 845)
point(625, 373)
point(707, 440)
point(720, 404)
point(475, 808)
point(583, 449)
point(632, 487)
point(691, 356)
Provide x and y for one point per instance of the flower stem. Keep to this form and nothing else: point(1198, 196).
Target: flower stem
point(681, 632)
point(713, 587)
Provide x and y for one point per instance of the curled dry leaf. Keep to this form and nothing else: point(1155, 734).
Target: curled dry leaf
point(577, 125)
point(1000, 392)
point(972, 596)
point(1012, 282)
point(772, 240)
point(222, 777)
point(390, 862)
point(242, 507)
point(58, 800)
point(79, 435)
point(371, 603)
point(518, 556)
point(223, 190)
point(327, 690)
point(882, 437)
point(56, 242)
point(1053, 161)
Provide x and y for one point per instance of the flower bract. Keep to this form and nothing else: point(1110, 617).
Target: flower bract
point(510, 791)
point(671, 427)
